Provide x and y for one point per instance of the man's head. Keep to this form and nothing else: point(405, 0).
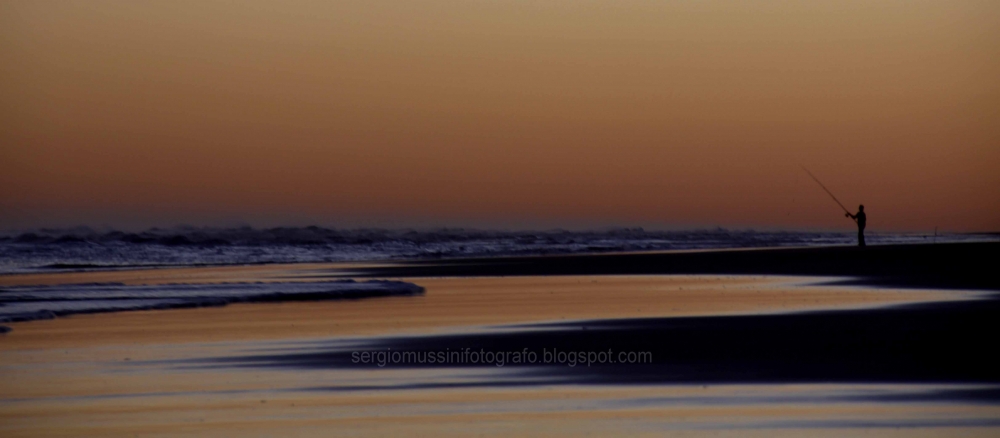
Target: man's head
point(861, 208)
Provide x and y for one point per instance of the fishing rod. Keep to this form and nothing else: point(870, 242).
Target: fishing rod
point(828, 191)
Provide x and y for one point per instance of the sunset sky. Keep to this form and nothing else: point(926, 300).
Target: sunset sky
point(500, 114)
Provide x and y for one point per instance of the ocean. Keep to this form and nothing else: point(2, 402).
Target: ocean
point(53, 250)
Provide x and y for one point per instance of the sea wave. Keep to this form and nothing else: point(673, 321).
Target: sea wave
point(84, 248)
point(27, 303)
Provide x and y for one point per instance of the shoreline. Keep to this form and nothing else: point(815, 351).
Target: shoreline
point(952, 265)
point(465, 303)
point(948, 266)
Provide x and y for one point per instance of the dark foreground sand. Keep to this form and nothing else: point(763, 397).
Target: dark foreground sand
point(944, 266)
point(731, 355)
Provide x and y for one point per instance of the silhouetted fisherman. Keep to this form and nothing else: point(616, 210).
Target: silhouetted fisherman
point(861, 219)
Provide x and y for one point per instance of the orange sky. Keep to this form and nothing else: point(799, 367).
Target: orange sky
point(500, 113)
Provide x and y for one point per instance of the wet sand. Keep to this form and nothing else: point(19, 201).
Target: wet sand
point(827, 361)
point(449, 303)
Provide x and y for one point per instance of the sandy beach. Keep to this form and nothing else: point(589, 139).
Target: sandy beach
point(284, 368)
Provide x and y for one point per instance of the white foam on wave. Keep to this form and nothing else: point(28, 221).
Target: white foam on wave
point(26, 303)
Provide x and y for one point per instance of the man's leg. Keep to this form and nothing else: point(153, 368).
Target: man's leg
point(861, 237)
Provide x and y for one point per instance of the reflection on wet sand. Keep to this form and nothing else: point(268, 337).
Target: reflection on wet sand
point(285, 369)
point(456, 303)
